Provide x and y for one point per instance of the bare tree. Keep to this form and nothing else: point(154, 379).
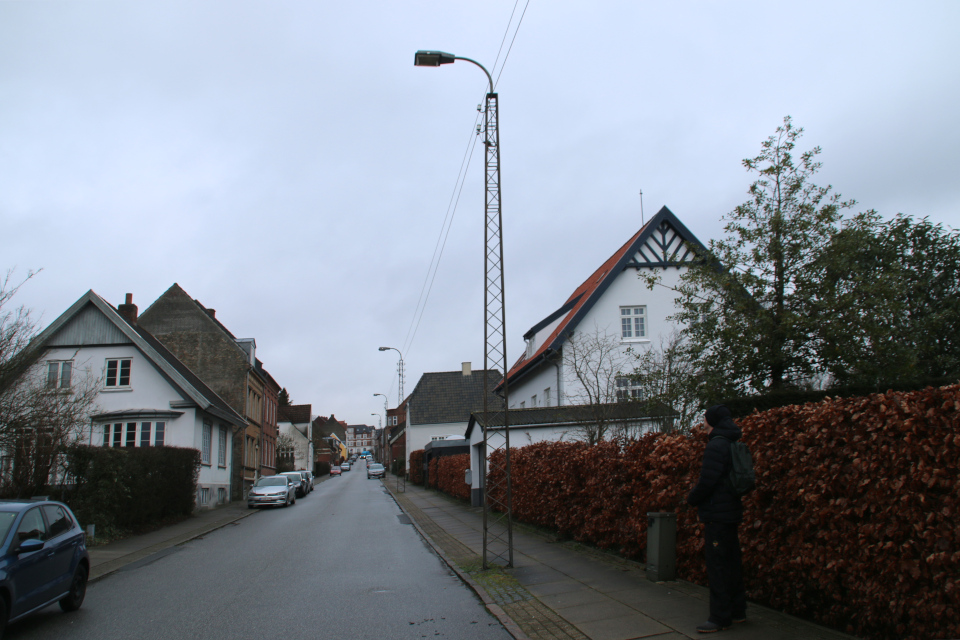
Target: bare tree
point(670, 384)
point(593, 362)
point(288, 451)
point(39, 416)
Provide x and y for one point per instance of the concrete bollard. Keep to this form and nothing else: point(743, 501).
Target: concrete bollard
point(661, 546)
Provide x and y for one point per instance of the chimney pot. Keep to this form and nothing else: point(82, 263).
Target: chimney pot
point(128, 310)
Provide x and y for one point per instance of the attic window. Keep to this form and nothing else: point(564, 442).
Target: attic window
point(531, 347)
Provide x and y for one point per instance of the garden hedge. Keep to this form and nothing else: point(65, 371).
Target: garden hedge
point(131, 488)
point(416, 466)
point(853, 523)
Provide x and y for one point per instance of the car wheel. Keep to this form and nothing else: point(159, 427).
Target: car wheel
point(78, 589)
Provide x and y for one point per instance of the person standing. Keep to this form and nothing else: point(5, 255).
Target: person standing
point(720, 511)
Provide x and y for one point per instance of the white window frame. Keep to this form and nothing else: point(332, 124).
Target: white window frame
point(206, 442)
point(62, 371)
point(633, 323)
point(111, 384)
point(222, 452)
point(627, 389)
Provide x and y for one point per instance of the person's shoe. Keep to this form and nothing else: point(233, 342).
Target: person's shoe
point(739, 619)
point(710, 627)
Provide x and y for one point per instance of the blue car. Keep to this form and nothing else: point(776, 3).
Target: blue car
point(43, 559)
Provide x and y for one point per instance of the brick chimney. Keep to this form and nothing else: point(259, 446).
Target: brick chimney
point(128, 310)
point(211, 312)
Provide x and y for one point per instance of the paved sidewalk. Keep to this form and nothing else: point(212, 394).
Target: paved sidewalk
point(564, 590)
point(111, 557)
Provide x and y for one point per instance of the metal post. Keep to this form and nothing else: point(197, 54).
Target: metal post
point(497, 499)
point(497, 513)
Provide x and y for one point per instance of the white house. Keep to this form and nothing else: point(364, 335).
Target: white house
point(296, 423)
point(147, 397)
point(441, 404)
point(613, 302)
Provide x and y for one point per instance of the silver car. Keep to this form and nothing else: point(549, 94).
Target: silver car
point(272, 491)
point(375, 470)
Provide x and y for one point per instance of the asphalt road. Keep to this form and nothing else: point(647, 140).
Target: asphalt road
point(339, 563)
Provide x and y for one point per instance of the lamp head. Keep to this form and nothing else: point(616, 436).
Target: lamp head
point(383, 349)
point(432, 58)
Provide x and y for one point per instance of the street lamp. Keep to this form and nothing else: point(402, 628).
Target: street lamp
point(399, 372)
point(496, 510)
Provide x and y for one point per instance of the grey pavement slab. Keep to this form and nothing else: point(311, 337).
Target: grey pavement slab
point(604, 597)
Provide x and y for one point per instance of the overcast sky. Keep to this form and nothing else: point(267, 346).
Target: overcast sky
point(288, 166)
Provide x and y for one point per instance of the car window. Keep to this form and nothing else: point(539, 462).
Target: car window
point(6, 521)
point(32, 526)
point(59, 520)
point(271, 482)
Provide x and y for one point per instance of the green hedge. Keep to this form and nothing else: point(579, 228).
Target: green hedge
point(131, 488)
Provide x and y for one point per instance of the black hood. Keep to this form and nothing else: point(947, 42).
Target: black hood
point(728, 429)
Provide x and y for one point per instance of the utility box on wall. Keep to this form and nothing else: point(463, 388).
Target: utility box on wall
point(661, 546)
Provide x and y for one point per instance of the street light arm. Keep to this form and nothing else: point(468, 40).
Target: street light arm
point(489, 77)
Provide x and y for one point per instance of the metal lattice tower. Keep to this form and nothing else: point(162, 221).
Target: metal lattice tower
point(497, 515)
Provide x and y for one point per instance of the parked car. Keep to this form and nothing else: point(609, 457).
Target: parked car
point(375, 470)
point(335, 470)
point(43, 559)
point(345, 466)
point(272, 491)
point(308, 480)
point(298, 479)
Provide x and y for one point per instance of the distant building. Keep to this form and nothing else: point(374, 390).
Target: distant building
point(360, 438)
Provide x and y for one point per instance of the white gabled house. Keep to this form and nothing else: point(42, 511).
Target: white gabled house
point(613, 301)
point(147, 396)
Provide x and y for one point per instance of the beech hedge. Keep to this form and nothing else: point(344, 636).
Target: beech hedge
point(853, 523)
point(416, 466)
point(449, 474)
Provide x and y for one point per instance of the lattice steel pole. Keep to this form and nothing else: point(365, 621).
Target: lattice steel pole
point(497, 494)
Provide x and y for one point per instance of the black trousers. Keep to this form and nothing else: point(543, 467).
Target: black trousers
point(728, 599)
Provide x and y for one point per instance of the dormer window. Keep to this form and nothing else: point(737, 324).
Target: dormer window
point(531, 344)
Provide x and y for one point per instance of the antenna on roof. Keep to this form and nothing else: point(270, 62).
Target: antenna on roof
point(641, 208)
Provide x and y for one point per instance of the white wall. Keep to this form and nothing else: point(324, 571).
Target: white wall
point(627, 289)
point(148, 391)
point(419, 435)
point(519, 437)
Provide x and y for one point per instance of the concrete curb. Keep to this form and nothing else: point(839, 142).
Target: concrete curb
point(508, 623)
point(109, 567)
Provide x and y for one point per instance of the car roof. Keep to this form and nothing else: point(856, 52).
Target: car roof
point(23, 505)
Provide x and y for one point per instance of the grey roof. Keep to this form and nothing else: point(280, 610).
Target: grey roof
point(450, 396)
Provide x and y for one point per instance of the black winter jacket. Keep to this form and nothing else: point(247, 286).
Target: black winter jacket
point(714, 501)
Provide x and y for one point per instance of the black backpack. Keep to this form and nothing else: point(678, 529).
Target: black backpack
point(741, 480)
